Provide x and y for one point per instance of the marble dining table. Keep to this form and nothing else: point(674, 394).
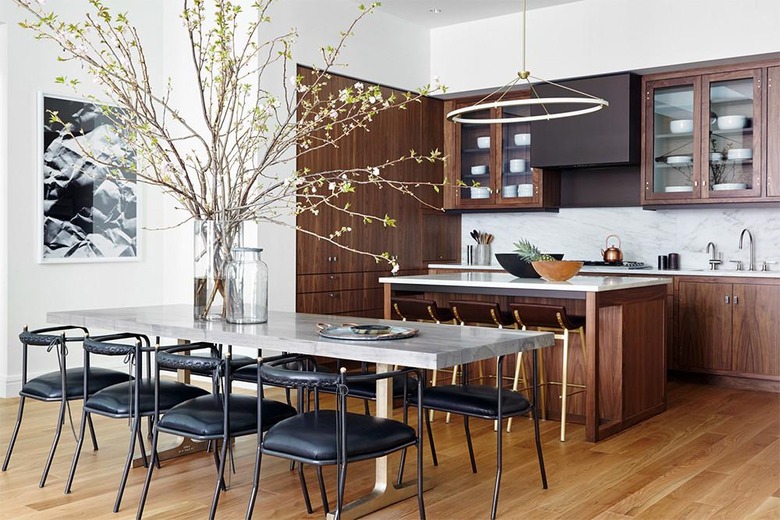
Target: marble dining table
point(431, 347)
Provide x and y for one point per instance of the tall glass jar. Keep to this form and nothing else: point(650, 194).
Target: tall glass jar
point(247, 287)
point(214, 240)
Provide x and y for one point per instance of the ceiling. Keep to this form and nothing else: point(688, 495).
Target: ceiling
point(457, 11)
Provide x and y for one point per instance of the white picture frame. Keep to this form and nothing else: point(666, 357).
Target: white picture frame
point(88, 210)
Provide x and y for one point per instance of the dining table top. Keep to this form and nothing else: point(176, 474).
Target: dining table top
point(432, 346)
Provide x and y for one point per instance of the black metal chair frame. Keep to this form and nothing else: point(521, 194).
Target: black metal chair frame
point(109, 346)
point(498, 417)
point(219, 368)
point(46, 337)
point(304, 381)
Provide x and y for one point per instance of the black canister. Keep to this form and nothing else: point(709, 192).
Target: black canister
point(674, 261)
point(663, 262)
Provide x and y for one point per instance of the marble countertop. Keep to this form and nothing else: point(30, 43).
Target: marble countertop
point(504, 280)
point(594, 269)
point(434, 346)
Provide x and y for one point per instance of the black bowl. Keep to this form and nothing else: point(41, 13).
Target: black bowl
point(519, 267)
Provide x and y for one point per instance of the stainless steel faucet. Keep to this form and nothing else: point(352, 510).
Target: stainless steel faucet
point(751, 262)
point(714, 260)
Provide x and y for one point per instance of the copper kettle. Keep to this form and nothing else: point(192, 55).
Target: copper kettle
point(612, 254)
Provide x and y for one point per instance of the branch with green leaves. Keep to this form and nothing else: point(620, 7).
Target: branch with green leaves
point(234, 157)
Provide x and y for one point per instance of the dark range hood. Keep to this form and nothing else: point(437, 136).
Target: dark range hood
point(609, 137)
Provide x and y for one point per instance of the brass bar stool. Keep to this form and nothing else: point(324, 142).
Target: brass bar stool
point(554, 318)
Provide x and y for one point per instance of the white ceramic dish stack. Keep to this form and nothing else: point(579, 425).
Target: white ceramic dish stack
point(480, 192)
point(525, 190)
point(740, 153)
point(483, 142)
point(509, 191)
point(681, 126)
point(522, 139)
point(731, 122)
point(479, 169)
point(679, 159)
point(678, 189)
point(728, 186)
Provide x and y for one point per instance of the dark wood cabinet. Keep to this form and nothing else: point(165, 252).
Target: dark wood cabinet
point(334, 280)
point(491, 163)
point(773, 133)
point(705, 136)
point(729, 327)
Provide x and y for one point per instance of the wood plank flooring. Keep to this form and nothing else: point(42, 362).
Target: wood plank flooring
point(714, 454)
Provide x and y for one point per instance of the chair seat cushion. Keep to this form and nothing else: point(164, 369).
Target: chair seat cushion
point(202, 417)
point(473, 400)
point(116, 400)
point(49, 386)
point(312, 436)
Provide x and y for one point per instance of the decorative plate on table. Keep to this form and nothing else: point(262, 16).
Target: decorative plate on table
point(366, 332)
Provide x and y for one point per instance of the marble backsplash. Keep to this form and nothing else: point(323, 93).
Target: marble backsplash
point(580, 233)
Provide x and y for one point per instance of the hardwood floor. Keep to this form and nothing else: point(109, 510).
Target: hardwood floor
point(714, 454)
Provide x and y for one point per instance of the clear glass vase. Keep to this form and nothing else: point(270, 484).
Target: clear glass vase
point(214, 241)
point(247, 287)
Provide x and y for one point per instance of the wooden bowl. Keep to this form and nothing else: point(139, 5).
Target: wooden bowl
point(559, 271)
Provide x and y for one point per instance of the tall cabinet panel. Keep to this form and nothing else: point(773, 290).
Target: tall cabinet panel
point(773, 132)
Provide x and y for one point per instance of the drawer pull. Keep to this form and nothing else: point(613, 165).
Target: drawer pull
point(728, 300)
point(736, 300)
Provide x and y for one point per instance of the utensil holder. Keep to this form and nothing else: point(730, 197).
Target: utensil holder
point(482, 254)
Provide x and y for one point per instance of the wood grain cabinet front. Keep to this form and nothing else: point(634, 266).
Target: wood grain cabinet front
point(729, 328)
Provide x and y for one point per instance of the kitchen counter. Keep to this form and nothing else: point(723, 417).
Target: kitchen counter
point(594, 269)
point(624, 364)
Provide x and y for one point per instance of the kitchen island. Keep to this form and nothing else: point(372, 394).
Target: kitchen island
point(625, 365)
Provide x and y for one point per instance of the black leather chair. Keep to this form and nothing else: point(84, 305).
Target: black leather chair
point(484, 402)
point(62, 386)
point(221, 415)
point(332, 437)
point(131, 399)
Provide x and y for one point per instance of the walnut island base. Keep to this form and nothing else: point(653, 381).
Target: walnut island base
point(625, 369)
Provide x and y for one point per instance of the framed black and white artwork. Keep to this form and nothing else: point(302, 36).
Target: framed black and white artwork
point(89, 196)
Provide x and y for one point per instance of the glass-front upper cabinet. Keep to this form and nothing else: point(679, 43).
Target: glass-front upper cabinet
point(732, 149)
point(671, 162)
point(476, 170)
point(517, 183)
point(703, 137)
point(490, 164)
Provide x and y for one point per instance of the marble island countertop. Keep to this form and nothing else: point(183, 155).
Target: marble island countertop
point(593, 269)
point(504, 280)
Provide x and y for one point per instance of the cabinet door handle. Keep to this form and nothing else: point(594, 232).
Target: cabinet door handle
point(331, 277)
point(728, 300)
point(736, 300)
point(332, 295)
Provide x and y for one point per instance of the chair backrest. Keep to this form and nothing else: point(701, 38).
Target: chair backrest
point(116, 345)
point(292, 372)
point(542, 315)
point(474, 312)
point(419, 309)
point(53, 338)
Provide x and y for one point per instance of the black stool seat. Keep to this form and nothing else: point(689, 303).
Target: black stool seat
point(473, 400)
point(312, 436)
point(203, 417)
point(48, 387)
point(114, 401)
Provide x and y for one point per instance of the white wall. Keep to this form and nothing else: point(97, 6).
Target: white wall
point(598, 37)
point(32, 288)
point(384, 49)
point(602, 36)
